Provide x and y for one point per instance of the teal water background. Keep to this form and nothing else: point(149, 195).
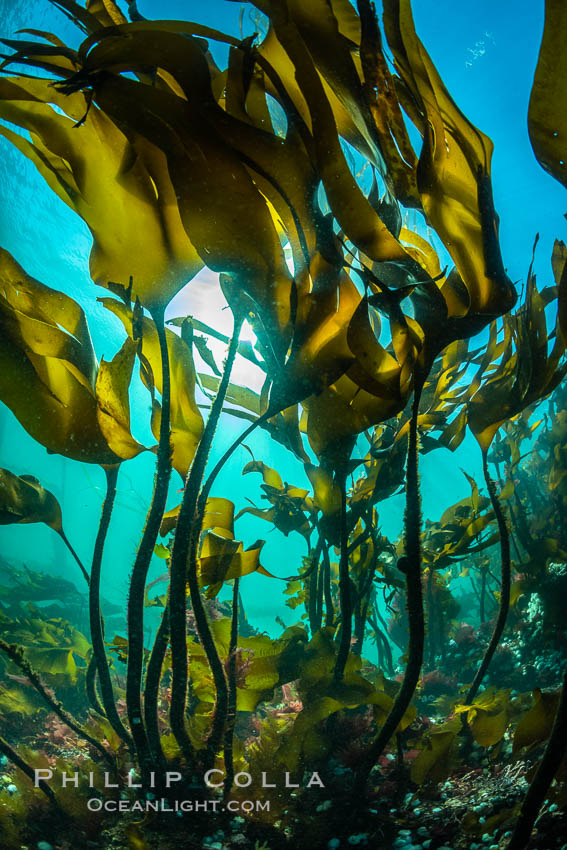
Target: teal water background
point(486, 53)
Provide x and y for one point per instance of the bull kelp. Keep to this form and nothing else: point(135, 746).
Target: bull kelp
point(305, 302)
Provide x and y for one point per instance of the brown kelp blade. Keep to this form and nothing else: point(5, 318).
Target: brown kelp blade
point(23, 500)
point(50, 379)
point(185, 416)
point(139, 234)
point(453, 173)
point(547, 116)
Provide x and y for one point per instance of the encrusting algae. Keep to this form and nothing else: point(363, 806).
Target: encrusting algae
point(372, 352)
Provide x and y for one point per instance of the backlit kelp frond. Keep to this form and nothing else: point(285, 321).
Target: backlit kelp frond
point(93, 15)
point(23, 500)
point(547, 120)
point(49, 372)
point(123, 194)
point(453, 178)
point(52, 57)
point(185, 416)
point(221, 557)
point(459, 531)
point(225, 236)
point(532, 363)
point(530, 367)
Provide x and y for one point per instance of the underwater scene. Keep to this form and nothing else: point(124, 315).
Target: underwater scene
point(283, 425)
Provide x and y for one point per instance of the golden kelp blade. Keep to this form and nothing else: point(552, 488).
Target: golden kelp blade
point(529, 369)
point(23, 499)
point(120, 188)
point(351, 208)
point(237, 237)
point(453, 174)
point(112, 383)
point(353, 69)
point(106, 12)
point(319, 353)
point(185, 417)
point(47, 366)
point(281, 167)
point(547, 114)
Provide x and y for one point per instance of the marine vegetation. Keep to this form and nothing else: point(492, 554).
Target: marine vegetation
point(290, 174)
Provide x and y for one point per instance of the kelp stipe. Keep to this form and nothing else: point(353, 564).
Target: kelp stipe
point(13, 756)
point(549, 765)
point(100, 659)
point(143, 557)
point(184, 572)
point(23, 499)
point(505, 582)
point(412, 569)
point(231, 695)
point(16, 655)
point(345, 591)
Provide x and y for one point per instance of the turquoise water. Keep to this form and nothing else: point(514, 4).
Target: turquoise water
point(486, 54)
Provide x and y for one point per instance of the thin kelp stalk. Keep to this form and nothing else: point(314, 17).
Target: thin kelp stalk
point(441, 631)
point(329, 607)
point(184, 571)
point(63, 537)
point(553, 755)
point(482, 610)
point(97, 635)
point(412, 534)
point(505, 579)
point(379, 650)
point(12, 756)
point(431, 618)
point(16, 654)
point(315, 588)
point(90, 682)
point(151, 689)
point(320, 593)
point(361, 615)
point(232, 693)
point(177, 709)
point(219, 715)
point(143, 559)
point(345, 594)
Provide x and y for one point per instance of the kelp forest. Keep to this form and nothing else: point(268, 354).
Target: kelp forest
point(402, 708)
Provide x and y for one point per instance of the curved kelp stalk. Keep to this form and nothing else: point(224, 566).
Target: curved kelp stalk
point(90, 684)
point(151, 689)
point(221, 705)
point(505, 580)
point(232, 693)
point(184, 571)
point(15, 653)
point(554, 754)
point(96, 626)
point(12, 756)
point(315, 584)
point(65, 540)
point(329, 607)
point(23, 499)
point(345, 594)
point(414, 591)
point(143, 558)
point(537, 356)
